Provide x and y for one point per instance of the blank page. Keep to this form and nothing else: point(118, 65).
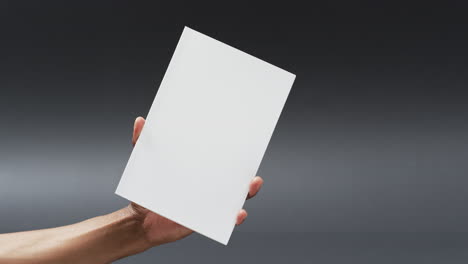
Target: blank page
point(205, 135)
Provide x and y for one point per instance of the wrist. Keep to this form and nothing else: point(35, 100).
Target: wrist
point(127, 230)
point(113, 236)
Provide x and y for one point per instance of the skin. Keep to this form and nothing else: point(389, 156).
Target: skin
point(101, 239)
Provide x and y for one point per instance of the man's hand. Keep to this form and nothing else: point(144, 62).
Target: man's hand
point(100, 239)
point(160, 230)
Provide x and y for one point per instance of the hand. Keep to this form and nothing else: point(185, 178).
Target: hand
point(158, 229)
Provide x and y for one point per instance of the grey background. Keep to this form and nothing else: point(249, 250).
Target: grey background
point(368, 161)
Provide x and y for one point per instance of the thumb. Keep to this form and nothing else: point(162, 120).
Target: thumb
point(137, 128)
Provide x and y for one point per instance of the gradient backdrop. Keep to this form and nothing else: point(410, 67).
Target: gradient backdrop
point(368, 163)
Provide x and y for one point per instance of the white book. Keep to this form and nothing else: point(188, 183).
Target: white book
point(205, 135)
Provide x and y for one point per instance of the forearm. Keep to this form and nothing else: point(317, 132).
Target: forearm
point(102, 239)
